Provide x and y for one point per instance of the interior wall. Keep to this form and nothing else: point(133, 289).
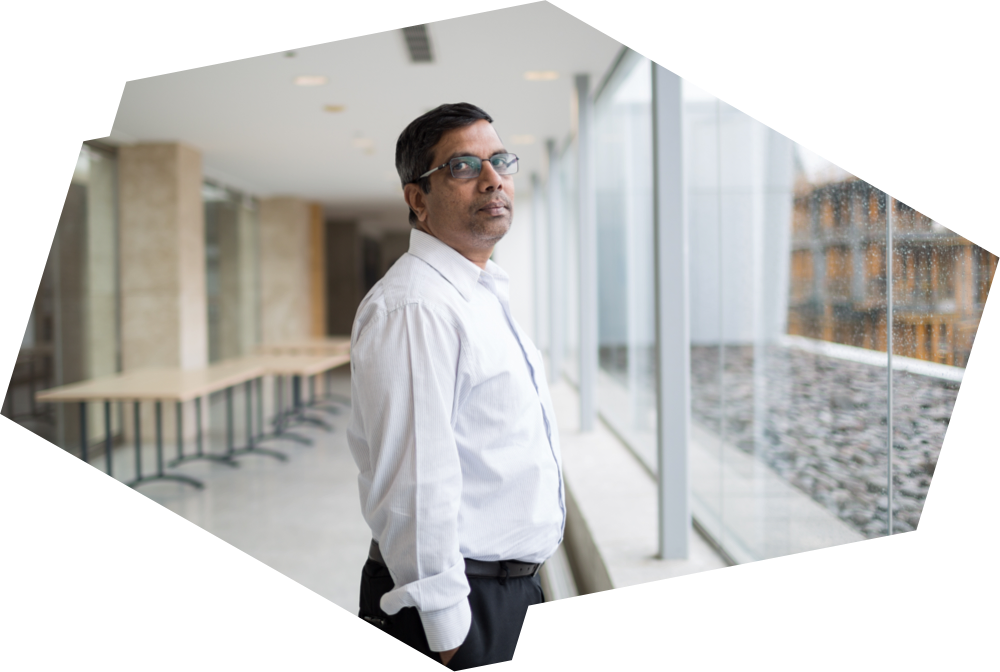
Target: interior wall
point(344, 275)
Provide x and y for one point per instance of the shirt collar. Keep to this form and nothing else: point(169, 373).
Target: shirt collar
point(456, 269)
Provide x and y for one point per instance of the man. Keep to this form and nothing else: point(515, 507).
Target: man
point(452, 426)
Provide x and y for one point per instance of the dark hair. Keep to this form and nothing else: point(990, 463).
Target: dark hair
point(415, 147)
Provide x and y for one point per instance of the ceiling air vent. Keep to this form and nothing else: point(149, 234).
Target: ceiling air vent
point(418, 44)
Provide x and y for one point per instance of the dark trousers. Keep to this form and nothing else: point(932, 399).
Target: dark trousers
point(498, 610)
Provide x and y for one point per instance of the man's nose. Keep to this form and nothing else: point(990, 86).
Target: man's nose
point(489, 178)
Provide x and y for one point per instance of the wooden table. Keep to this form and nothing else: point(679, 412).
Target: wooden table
point(298, 367)
point(158, 386)
point(179, 386)
point(309, 347)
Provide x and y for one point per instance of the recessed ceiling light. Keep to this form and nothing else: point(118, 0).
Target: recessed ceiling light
point(541, 75)
point(364, 143)
point(310, 80)
point(522, 139)
point(333, 108)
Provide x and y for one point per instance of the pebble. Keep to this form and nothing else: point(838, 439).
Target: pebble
point(825, 427)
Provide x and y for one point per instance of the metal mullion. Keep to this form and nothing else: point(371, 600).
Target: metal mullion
point(586, 206)
point(672, 315)
point(888, 349)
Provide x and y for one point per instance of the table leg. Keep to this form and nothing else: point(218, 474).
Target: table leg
point(83, 431)
point(248, 391)
point(229, 420)
point(199, 440)
point(299, 408)
point(198, 429)
point(158, 410)
point(160, 474)
point(107, 435)
point(279, 416)
point(138, 442)
point(250, 447)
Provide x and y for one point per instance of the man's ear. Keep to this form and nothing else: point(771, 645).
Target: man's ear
point(416, 199)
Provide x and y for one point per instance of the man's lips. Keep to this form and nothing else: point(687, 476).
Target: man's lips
point(494, 208)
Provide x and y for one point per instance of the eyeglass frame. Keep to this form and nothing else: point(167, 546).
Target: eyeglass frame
point(470, 156)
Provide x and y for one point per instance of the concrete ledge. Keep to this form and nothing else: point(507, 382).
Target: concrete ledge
point(611, 508)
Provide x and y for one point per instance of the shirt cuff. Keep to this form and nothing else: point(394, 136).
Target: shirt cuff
point(446, 629)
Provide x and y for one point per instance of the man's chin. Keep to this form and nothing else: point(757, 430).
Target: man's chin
point(492, 229)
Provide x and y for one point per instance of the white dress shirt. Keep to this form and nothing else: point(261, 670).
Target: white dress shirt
point(453, 432)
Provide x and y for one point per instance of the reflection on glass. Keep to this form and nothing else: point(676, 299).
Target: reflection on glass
point(571, 236)
point(788, 441)
point(230, 272)
point(624, 179)
point(73, 332)
point(940, 283)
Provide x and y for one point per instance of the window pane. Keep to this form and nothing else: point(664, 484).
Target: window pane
point(571, 236)
point(940, 282)
point(624, 178)
point(788, 448)
point(231, 272)
point(73, 332)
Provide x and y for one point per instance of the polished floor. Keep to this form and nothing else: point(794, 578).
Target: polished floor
point(301, 517)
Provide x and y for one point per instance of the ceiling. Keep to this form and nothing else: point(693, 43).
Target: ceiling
point(259, 132)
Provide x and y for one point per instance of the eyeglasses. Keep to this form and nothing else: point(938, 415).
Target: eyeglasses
point(469, 167)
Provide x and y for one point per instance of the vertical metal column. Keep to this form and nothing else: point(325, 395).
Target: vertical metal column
point(538, 263)
point(557, 340)
point(586, 206)
point(888, 351)
point(673, 338)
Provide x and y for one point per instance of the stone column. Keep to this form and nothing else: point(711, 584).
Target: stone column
point(284, 270)
point(162, 255)
point(285, 277)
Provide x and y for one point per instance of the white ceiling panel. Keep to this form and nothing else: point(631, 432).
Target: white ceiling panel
point(259, 131)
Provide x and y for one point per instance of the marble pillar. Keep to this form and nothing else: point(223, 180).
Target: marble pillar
point(285, 270)
point(162, 256)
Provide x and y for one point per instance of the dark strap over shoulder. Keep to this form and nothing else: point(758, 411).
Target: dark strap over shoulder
point(503, 569)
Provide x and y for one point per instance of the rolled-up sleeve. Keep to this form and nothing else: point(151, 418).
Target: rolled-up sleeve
point(405, 376)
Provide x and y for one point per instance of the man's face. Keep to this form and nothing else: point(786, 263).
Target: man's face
point(470, 215)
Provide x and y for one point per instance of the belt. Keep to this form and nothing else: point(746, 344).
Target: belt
point(502, 569)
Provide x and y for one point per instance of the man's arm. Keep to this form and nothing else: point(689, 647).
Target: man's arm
point(405, 380)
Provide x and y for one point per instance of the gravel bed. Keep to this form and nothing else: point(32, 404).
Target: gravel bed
point(821, 423)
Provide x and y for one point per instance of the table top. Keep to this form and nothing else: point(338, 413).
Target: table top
point(298, 365)
point(330, 345)
point(168, 384)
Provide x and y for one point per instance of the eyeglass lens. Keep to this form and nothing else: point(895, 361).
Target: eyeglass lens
point(467, 167)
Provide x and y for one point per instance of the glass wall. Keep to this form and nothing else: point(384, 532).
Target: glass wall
point(790, 366)
point(568, 167)
point(789, 300)
point(624, 182)
point(73, 332)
